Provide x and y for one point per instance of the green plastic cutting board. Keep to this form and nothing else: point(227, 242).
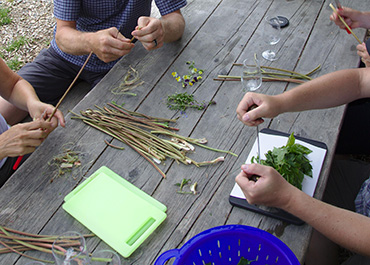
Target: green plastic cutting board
point(119, 213)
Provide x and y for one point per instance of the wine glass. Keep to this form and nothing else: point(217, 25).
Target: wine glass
point(251, 76)
point(70, 249)
point(105, 257)
point(272, 32)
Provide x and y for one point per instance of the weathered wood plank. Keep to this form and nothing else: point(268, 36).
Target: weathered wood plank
point(218, 33)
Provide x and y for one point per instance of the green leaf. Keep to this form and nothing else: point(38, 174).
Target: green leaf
point(244, 261)
point(291, 140)
point(290, 161)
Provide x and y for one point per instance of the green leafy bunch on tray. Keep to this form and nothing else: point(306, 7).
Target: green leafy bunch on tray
point(290, 161)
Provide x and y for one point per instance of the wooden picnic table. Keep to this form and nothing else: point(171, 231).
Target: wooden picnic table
point(218, 33)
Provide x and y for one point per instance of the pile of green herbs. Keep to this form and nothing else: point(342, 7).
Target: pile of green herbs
point(142, 133)
point(290, 161)
point(182, 101)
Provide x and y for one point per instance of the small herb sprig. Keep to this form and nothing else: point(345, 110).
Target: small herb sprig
point(182, 101)
point(290, 161)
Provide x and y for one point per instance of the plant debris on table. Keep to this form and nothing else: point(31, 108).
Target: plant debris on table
point(290, 161)
point(130, 81)
point(141, 133)
point(186, 182)
point(65, 162)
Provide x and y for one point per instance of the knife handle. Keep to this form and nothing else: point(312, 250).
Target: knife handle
point(254, 178)
point(253, 107)
point(348, 31)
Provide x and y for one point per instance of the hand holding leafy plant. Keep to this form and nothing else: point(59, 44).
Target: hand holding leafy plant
point(290, 161)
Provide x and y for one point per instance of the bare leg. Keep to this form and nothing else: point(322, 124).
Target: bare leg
point(11, 114)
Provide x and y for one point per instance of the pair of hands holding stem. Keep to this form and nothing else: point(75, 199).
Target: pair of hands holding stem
point(354, 19)
point(271, 189)
point(110, 45)
point(23, 138)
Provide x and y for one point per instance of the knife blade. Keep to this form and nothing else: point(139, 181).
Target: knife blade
point(258, 146)
point(339, 6)
point(256, 177)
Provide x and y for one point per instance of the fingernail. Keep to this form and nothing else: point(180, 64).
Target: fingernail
point(246, 117)
point(244, 167)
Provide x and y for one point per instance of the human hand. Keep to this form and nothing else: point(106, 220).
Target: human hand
point(110, 45)
point(23, 138)
point(40, 110)
point(149, 32)
point(266, 108)
point(271, 189)
point(364, 54)
point(353, 18)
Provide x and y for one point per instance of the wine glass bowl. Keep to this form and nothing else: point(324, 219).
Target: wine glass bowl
point(251, 77)
point(70, 249)
point(272, 32)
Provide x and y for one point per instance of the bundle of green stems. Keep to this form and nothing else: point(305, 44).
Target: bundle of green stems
point(142, 133)
point(14, 241)
point(274, 74)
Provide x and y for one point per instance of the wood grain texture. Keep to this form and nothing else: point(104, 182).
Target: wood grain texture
point(218, 34)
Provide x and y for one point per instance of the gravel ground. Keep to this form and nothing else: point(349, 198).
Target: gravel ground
point(32, 20)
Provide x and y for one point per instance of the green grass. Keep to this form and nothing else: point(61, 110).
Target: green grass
point(16, 44)
point(14, 64)
point(4, 16)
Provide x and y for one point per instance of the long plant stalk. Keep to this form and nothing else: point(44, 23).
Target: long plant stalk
point(265, 79)
point(14, 241)
point(140, 132)
point(280, 75)
point(287, 71)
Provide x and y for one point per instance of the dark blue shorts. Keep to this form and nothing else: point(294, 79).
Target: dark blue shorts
point(7, 169)
point(51, 75)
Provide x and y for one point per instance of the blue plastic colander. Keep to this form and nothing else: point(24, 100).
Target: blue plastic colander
point(225, 245)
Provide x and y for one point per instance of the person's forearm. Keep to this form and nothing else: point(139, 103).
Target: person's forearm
point(173, 25)
point(327, 91)
point(365, 20)
point(21, 93)
point(72, 41)
point(346, 228)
